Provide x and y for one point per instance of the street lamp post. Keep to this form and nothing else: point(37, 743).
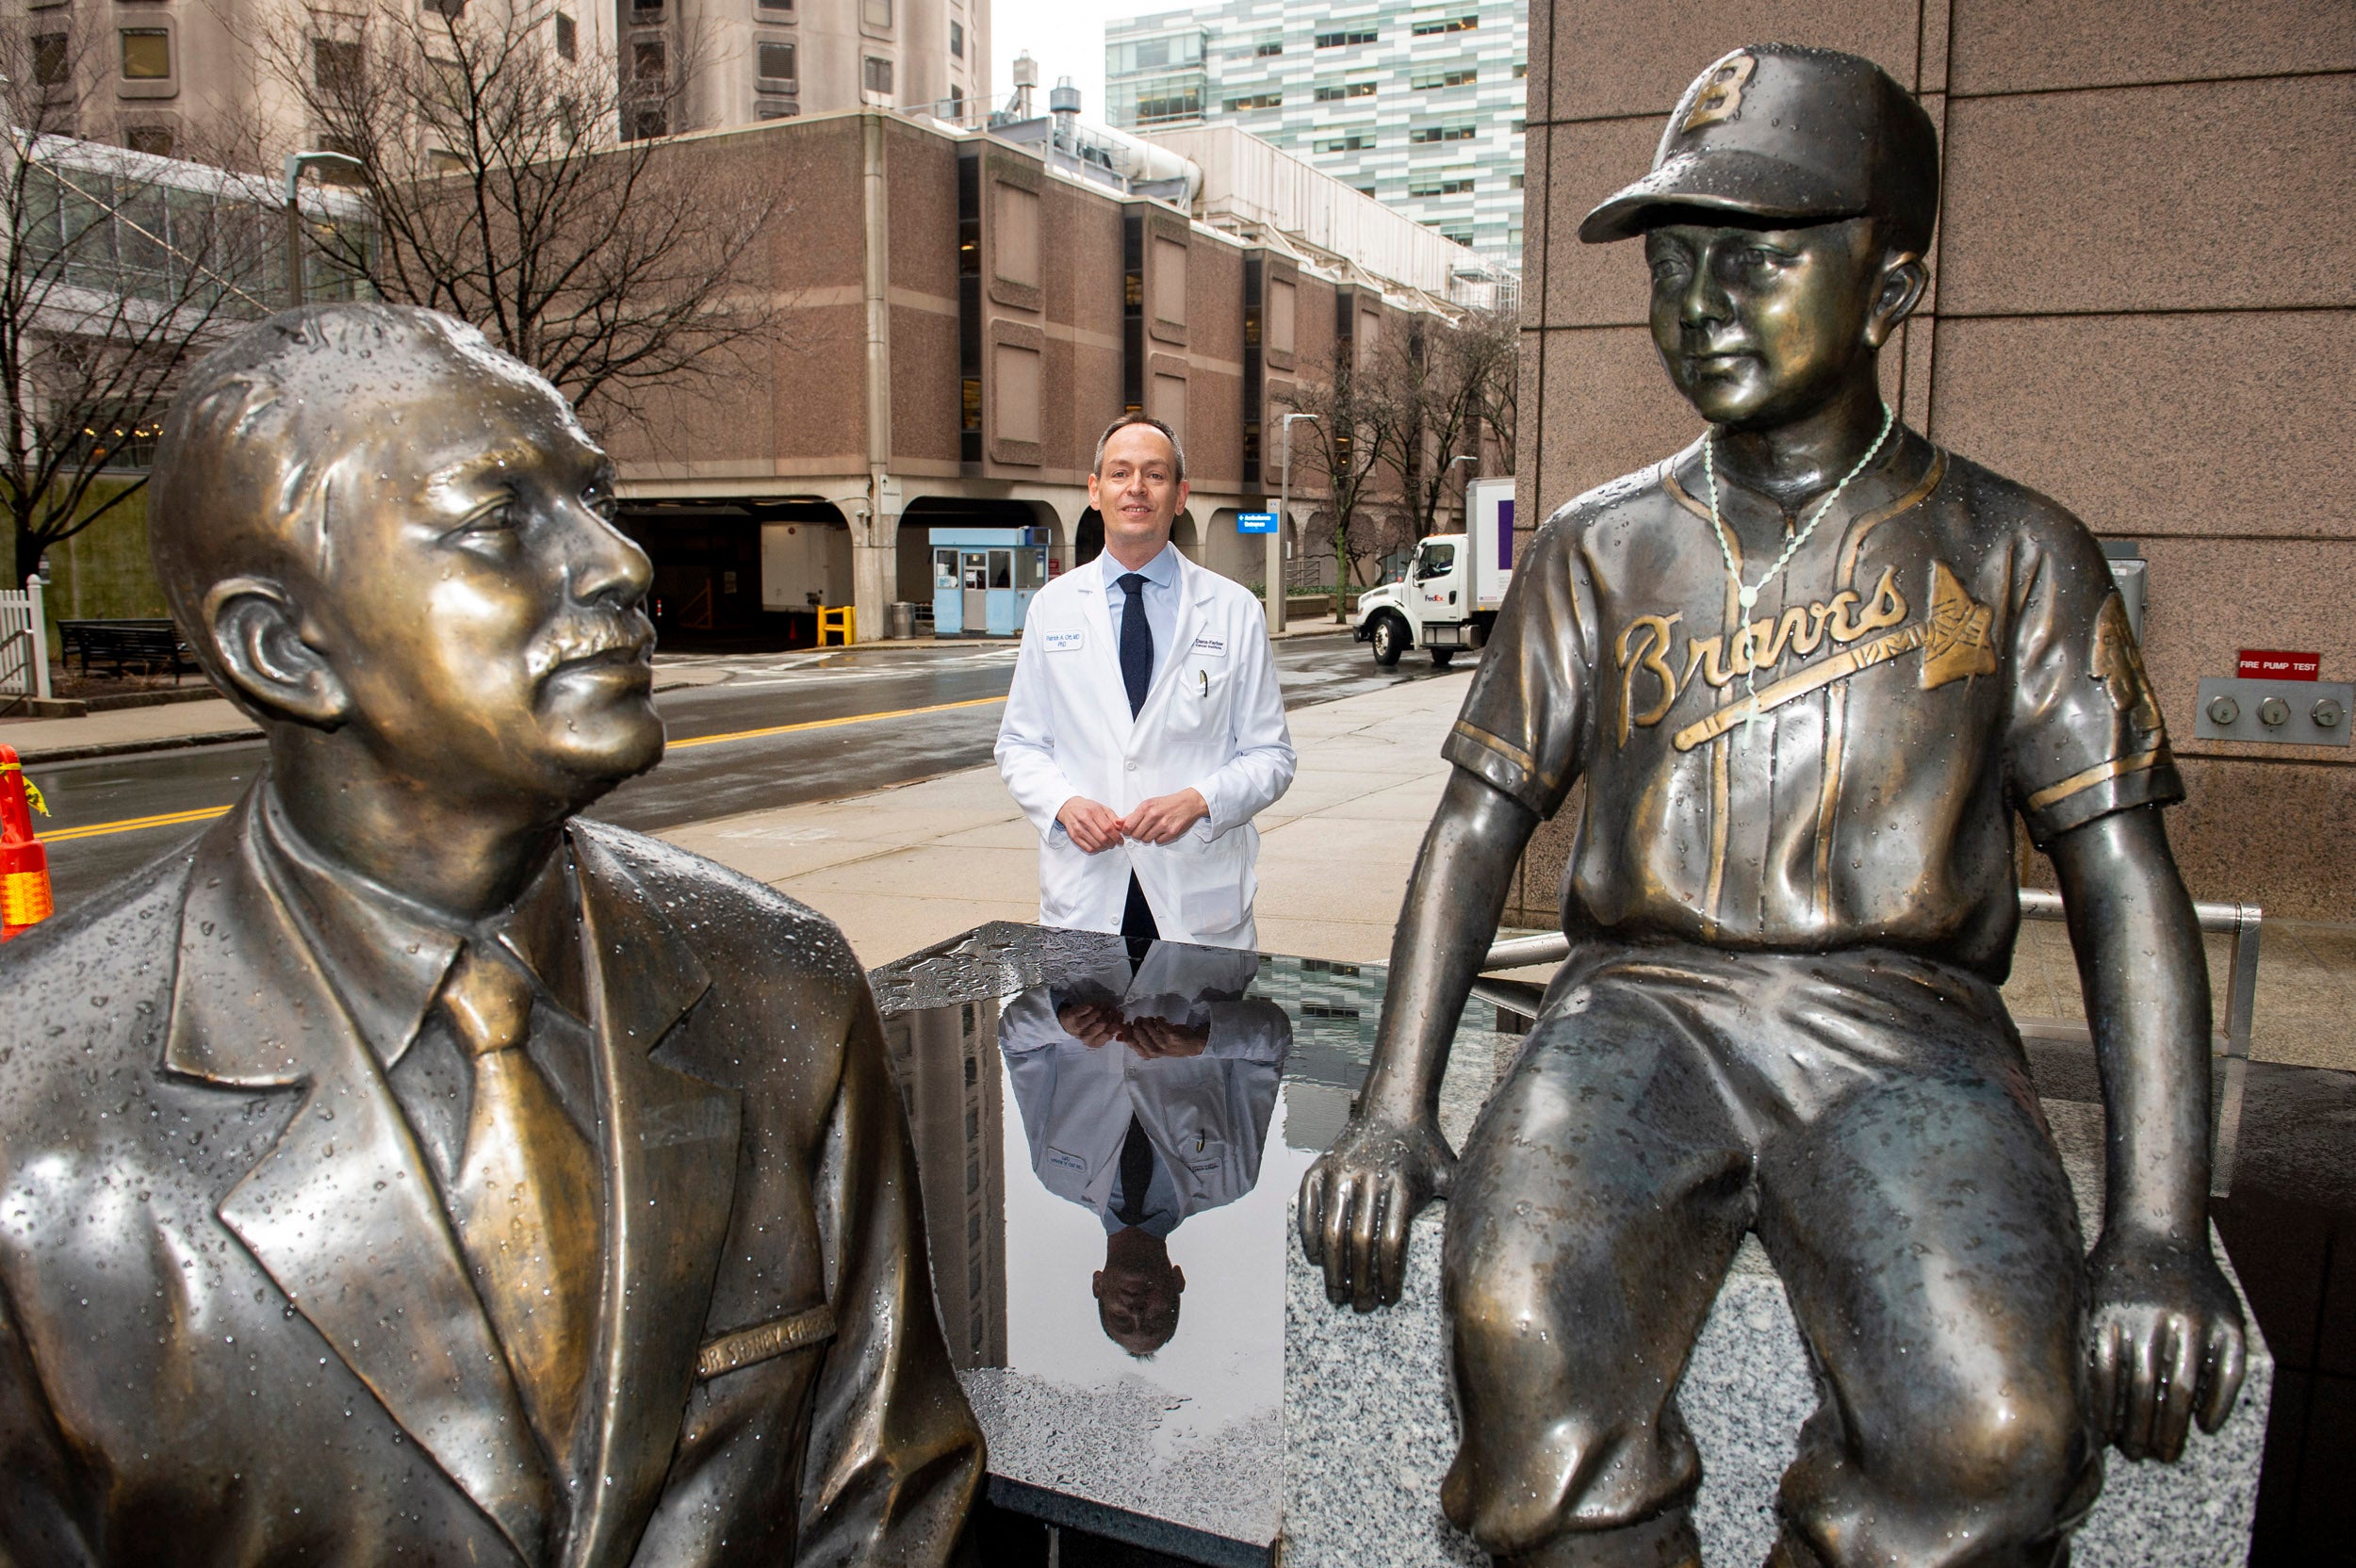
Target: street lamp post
point(1276, 540)
point(1462, 515)
point(296, 164)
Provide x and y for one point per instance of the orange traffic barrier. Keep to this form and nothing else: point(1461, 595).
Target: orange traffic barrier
point(24, 896)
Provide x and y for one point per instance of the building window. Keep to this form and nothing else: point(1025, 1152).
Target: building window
point(777, 62)
point(775, 109)
point(1268, 49)
point(645, 12)
point(957, 38)
point(1455, 76)
point(1259, 101)
point(878, 74)
point(148, 138)
point(1172, 106)
point(567, 38)
point(1441, 132)
point(1443, 185)
point(336, 65)
point(1462, 236)
point(1512, 182)
point(441, 160)
point(1521, 70)
point(957, 103)
point(647, 120)
point(53, 58)
point(1344, 40)
point(1446, 25)
point(1366, 191)
point(775, 5)
point(1336, 91)
point(146, 54)
point(876, 13)
point(646, 61)
point(1357, 141)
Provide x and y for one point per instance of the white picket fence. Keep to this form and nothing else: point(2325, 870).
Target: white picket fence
point(24, 643)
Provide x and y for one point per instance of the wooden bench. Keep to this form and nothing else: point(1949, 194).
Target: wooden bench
point(120, 644)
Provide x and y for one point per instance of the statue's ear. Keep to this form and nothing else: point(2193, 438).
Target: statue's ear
point(1903, 282)
point(258, 637)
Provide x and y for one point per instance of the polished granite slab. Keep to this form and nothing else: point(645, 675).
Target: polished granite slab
point(1202, 1446)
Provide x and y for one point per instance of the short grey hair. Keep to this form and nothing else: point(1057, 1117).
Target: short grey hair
point(1096, 469)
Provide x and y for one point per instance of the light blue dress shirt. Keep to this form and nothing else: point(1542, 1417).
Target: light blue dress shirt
point(1160, 597)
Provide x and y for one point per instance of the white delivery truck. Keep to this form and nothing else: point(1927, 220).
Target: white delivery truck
point(1455, 581)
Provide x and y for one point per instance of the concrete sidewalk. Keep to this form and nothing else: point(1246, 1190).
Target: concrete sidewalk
point(903, 868)
point(906, 867)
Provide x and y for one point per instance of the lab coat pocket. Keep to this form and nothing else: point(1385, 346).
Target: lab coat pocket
point(1202, 704)
point(1215, 894)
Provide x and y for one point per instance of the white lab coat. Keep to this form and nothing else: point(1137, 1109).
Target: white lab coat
point(1214, 720)
point(1206, 1115)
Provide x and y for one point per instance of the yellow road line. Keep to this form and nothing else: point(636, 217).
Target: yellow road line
point(831, 724)
point(133, 825)
point(206, 813)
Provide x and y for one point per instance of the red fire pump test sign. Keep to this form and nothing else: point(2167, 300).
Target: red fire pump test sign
point(2274, 665)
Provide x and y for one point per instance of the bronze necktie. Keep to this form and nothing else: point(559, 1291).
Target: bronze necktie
point(527, 1201)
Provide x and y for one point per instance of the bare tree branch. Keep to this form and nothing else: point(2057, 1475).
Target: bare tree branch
point(529, 190)
point(1351, 432)
point(121, 268)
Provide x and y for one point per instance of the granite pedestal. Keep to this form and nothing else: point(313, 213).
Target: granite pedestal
point(1369, 1427)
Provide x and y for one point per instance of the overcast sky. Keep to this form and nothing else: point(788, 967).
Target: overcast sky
point(1066, 37)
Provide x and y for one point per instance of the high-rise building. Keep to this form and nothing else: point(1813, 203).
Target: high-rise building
point(1417, 104)
point(773, 59)
point(169, 79)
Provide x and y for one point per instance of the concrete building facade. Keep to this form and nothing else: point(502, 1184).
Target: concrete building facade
point(169, 77)
point(2128, 313)
point(773, 59)
point(1416, 103)
point(968, 312)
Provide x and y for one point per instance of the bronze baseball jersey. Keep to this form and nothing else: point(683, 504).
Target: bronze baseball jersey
point(1838, 767)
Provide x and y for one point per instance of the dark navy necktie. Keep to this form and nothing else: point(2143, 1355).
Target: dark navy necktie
point(1136, 642)
point(1136, 1174)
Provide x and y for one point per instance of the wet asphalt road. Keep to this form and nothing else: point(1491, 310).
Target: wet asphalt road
point(779, 729)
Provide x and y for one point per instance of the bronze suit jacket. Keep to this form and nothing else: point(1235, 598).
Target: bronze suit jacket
point(234, 1327)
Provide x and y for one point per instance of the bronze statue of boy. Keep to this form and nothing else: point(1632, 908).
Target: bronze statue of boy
point(1808, 668)
point(411, 1169)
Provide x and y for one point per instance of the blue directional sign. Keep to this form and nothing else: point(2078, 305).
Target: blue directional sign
point(1255, 522)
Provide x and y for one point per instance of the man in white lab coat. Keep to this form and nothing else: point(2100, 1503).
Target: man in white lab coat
point(1145, 729)
point(1145, 1097)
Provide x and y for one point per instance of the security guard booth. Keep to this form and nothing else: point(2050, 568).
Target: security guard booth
point(984, 578)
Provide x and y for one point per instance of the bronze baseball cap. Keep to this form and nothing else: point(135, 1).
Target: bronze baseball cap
point(1781, 131)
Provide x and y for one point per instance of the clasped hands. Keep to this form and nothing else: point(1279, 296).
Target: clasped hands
point(1095, 1024)
point(1159, 820)
point(2164, 1344)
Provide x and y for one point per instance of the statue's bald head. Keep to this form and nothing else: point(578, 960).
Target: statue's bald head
point(270, 428)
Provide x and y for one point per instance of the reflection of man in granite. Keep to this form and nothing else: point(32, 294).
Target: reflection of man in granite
point(412, 1170)
point(1791, 905)
point(1146, 1093)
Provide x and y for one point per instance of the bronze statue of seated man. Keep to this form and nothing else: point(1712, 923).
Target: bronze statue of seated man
point(411, 1169)
point(1807, 669)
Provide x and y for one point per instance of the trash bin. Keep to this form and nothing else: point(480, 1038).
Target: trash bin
point(903, 620)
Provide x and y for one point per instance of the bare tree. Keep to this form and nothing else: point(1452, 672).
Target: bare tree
point(1498, 392)
point(519, 181)
point(1434, 377)
point(119, 268)
point(1346, 443)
